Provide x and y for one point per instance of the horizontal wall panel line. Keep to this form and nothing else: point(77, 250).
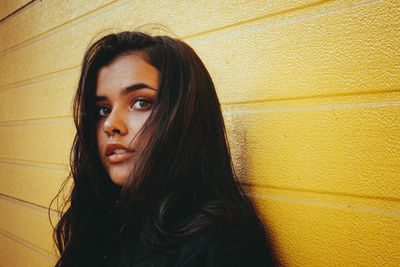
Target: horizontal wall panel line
point(364, 105)
point(285, 22)
point(28, 222)
point(327, 204)
point(37, 121)
point(53, 30)
point(194, 44)
point(68, 119)
point(9, 6)
point(75, 69)
point(38, 79)
point(31, 165)
point(87, 16)
point(27, 244)
point(34, 184)
point(330, 193)
point(30, 205)
point(277, 99)
point(42, 78)
point(339, 20)
point(33, 162)
point(16, 11)
point(256, 19)
point(353, 151)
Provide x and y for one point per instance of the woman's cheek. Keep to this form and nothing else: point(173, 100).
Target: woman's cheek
point(101, 140)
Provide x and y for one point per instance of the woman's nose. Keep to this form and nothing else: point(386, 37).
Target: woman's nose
point(115, 123)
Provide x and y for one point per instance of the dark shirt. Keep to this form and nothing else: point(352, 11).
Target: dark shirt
point(231, 246)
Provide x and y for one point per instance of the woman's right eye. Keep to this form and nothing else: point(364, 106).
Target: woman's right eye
point(104, 111)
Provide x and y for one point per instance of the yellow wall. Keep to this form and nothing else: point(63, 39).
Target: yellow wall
point(310, 92)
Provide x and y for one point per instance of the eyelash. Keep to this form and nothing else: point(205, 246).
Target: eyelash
point(104, 110)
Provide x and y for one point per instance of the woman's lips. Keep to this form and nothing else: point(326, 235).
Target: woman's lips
point(116, 153)
point(119, 157)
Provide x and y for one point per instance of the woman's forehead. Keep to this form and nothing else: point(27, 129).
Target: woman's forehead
point(126, 71)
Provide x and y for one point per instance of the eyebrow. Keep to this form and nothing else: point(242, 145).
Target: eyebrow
point(128, 90)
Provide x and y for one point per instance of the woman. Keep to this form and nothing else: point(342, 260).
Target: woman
point(153, 178)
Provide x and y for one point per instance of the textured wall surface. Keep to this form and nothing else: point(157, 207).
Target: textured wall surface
point(311, 95)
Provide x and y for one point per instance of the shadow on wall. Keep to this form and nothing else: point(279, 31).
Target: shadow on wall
point(238, 143)
point(239, 146)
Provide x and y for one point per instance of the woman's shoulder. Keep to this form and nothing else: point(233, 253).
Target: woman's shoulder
point(226, 245)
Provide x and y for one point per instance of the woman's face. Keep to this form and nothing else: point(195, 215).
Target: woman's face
point(125, 95)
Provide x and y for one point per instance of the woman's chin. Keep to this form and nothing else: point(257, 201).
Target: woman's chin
point(119, 173)
point(119, 179)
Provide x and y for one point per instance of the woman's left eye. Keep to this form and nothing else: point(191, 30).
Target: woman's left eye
point(103, 111)
point(142, 104)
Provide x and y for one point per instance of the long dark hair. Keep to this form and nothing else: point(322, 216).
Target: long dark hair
point(183, 182)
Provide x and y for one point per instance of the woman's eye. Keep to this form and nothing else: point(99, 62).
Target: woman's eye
point(142, 104)
point(104, 111)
